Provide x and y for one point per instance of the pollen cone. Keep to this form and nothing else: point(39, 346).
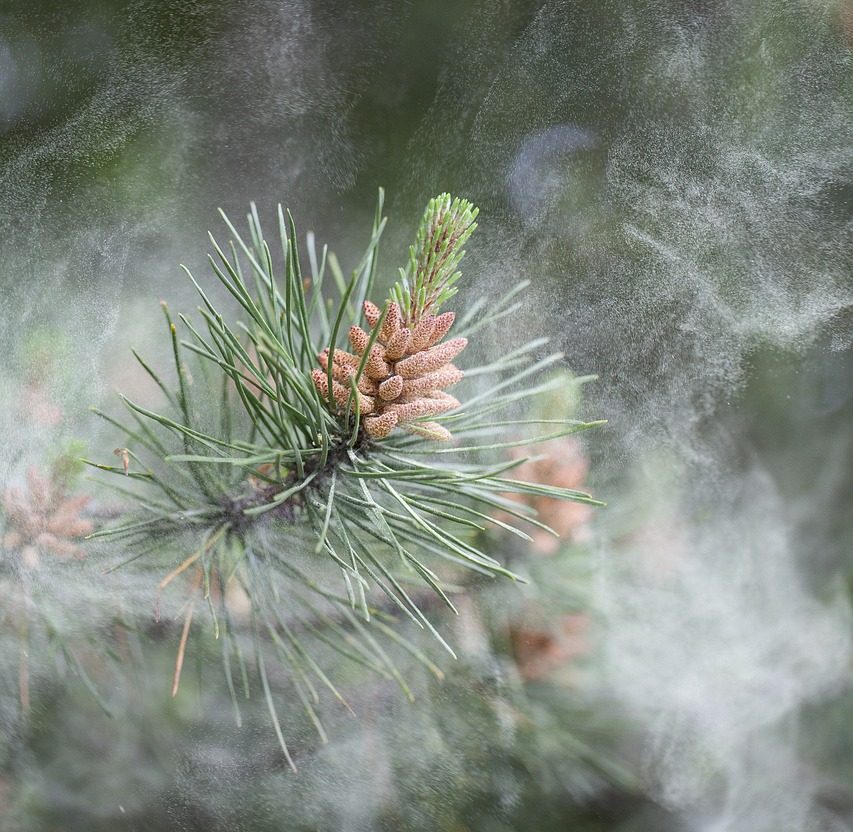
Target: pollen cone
point(409, 367)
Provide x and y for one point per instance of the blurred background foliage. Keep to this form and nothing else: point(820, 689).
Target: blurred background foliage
point(674, 177)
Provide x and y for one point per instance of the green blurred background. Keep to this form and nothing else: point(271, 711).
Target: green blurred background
point(675, 180)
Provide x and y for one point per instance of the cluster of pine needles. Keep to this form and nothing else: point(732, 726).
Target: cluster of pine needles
point(269, 491)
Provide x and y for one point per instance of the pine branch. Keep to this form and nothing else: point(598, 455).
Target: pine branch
point(303, 468)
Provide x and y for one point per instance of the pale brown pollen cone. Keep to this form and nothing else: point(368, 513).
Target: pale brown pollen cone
point(372, 312)
point(405, 374)
point(391, 388)
point(378, 427)
point(340, 393)
point(343, 370)
point(430, 430)
point(358, 338)
point(565, 467)
point(432, 359)
point(377, 368)
point(440, 327)
point(44, 519)
point(422, 333)
point(445, 377)
point(392, 324)
point(419, 408)
point(398, 345)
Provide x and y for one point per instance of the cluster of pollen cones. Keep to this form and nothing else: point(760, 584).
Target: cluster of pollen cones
point(404, 377)
point(43, 519)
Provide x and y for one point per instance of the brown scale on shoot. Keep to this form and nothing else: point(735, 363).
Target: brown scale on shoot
point(404, 376)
